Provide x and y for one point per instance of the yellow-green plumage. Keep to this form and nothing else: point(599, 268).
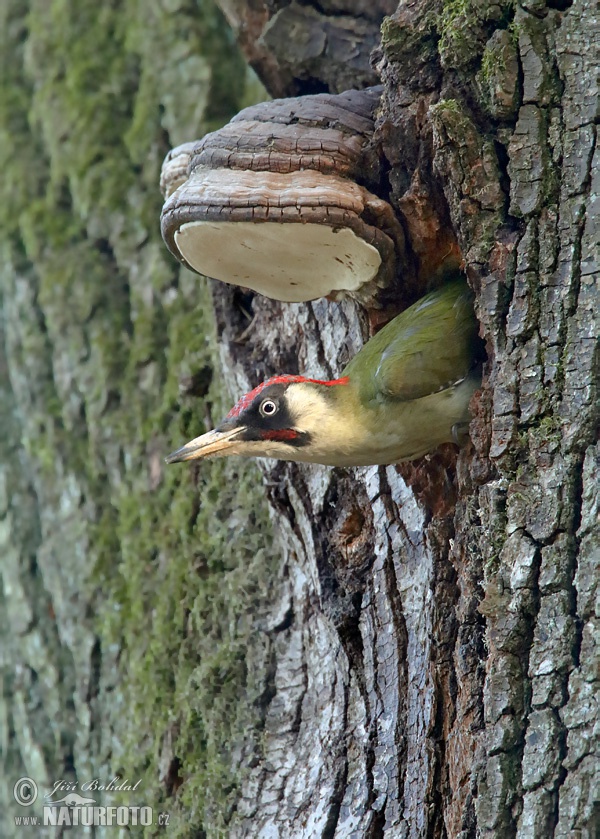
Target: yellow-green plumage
point(409, 387)
point(426, 348)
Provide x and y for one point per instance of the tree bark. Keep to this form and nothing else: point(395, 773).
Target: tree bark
point(414, 655)
point(436, 672)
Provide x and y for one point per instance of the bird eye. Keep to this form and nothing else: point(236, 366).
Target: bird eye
point(268, 408)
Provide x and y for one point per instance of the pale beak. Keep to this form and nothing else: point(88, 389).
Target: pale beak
point(214, 442)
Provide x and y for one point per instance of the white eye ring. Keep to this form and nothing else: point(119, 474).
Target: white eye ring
point(268, 408)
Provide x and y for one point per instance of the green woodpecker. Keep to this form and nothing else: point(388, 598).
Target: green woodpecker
point(406, 391)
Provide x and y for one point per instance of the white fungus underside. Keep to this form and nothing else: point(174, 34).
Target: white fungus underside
point(286, 261)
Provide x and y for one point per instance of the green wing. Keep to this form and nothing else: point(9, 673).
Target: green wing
point(427, 348)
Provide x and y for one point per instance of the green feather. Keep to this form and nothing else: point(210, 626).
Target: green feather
point(427, 348)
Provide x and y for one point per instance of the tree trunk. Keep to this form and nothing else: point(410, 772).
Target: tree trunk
point(415, 654)
point(436, 672)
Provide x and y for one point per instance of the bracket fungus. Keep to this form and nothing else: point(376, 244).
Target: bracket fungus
point(281, 200)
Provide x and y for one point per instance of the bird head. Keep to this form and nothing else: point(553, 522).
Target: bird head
point(283, 417)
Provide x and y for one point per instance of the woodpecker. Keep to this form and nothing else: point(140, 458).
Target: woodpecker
point(406, 392)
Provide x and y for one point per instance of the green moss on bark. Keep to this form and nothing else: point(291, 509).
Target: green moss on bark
point(155, 577)
point(464, 27)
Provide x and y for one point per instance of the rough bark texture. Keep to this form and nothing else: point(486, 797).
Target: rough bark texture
point(299, 48)
point(436, 673)
point(422, 660)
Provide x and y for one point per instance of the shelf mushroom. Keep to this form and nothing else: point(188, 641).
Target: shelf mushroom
point(279, 200)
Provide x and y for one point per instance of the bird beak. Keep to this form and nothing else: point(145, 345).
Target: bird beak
point(214, 442)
